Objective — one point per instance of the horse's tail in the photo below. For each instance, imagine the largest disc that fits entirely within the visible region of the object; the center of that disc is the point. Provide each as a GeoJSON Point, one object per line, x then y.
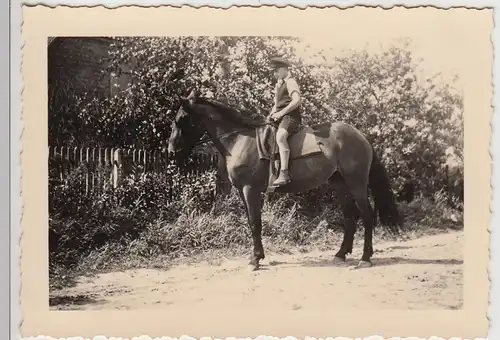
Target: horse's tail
{"type": "Point", "coordinates": [385, 202]}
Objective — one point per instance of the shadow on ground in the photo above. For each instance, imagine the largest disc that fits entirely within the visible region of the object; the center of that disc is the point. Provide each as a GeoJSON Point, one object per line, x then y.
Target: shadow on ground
{"type": "Point", "coordinates": [73, 300]}
{"type": "Point", "coordinates": [387, 261]}
{"type": "Point", "coordinates": [377, 262]}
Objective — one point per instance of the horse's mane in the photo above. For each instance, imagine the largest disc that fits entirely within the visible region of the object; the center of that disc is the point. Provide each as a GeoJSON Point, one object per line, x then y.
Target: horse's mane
{"type": "Point", "coordinates": [236, 115]}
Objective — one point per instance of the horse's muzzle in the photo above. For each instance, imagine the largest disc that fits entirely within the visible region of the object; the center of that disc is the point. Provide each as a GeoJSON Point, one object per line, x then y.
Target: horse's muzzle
{"type": "Point", "coordinates": [171, 149]}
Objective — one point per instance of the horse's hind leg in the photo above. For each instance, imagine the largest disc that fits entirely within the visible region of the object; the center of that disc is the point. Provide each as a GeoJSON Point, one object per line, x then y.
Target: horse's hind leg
{"type": "Point", "coordinates": [367, 217]}
{"type": "Point", "coordinates": [351, 214]}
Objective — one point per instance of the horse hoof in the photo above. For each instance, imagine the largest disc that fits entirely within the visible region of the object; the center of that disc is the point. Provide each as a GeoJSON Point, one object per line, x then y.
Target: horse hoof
{"type": "Point", "coordinates": [338, 260]}
{"type": "Point", "coordinates": [364, 264]}
{"type": "Point", "coordinates": [361, 264]}
{"type": "Point", "coordinates": [253, 267]}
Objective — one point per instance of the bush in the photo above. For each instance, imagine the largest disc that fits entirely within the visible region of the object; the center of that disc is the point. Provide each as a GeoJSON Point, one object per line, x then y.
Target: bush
{"type": "Point", "coordinates": [80, 223]}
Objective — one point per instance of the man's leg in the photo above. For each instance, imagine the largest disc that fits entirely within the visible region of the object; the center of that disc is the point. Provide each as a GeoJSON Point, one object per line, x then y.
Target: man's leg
{"type": "Point", "coordinates": [284, 151]}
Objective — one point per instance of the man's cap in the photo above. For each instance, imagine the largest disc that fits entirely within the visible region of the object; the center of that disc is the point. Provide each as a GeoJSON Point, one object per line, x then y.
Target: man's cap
{"type": "Point", "coordinates": [276, 62]}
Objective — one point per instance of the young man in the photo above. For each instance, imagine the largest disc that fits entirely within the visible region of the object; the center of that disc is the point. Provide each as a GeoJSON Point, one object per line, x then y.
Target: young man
{"type": "Point", "coordinates": [286, 112]}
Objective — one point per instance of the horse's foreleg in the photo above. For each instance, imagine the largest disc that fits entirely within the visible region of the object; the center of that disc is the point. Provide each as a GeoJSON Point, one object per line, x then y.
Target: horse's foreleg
{"type": "Point", "coordinates": [350, 215]}
{"type": "Point", "coordinates": [253, 204]}
{"type": "Point", "coordinates": [242, 196]}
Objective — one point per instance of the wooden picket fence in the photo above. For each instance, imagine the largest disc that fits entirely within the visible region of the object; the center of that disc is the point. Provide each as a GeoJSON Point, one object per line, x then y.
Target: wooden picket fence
{"type": "Point", "coordinates": [103, 168]}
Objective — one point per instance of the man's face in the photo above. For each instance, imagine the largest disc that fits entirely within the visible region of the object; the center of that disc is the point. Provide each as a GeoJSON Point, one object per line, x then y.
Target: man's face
{"type": "Point", "coordinates": [280, 72]}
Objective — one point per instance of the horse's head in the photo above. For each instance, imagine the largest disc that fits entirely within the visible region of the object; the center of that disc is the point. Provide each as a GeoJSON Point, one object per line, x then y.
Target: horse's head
{"type": "Point", "coordinates": [187, 128]}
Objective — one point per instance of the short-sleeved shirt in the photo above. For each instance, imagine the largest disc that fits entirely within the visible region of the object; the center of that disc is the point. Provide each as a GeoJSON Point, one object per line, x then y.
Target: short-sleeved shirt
{"type": "Point", "coordinates": [283, 94]}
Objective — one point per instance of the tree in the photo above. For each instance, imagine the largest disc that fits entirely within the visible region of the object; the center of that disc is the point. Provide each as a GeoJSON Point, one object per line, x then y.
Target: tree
{"type": "Point", "coordinates": [414, 123]}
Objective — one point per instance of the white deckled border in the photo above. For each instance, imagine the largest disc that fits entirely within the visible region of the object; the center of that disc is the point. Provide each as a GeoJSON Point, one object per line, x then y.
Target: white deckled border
{"type": "Point", "coordinates": [262, 337]}
{"type": "Point", "coordinates": [16, 208]}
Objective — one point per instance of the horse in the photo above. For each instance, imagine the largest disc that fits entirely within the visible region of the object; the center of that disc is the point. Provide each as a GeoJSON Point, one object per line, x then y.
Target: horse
{"type": "Point", "coordinates": [347, 161]}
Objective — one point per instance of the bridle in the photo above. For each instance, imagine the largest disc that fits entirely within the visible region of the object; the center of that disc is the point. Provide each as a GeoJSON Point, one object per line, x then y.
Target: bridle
{"type": "Point", "coordinates": [207, 138]}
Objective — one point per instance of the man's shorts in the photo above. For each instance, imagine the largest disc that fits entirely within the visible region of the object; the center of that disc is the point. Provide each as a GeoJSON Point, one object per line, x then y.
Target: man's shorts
{"type": "Point", "coordinates": [290, 123]}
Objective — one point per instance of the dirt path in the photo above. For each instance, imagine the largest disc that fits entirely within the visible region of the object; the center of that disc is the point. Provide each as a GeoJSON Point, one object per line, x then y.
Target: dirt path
{"type": "Point", "coordinates": [418, 274]}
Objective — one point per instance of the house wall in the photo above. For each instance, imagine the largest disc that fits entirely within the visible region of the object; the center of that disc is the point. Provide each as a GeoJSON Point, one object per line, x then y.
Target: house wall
{"type": "Point", "coordinates": [79, 63]}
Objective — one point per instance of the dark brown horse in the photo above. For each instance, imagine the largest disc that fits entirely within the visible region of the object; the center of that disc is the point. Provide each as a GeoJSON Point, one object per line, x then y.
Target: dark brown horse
{"type": "Point", "coordinates": [346, 160]}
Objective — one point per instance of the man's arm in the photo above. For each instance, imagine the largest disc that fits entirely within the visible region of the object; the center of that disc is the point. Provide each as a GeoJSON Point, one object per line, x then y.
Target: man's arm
{"type": "Point", "coordinates": [273, 110]}
{"type": "Point", "coordinates": [294, 91]}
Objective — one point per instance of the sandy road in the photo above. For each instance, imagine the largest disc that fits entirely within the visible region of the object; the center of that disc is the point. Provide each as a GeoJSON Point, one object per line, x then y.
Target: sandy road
{"type": "Point", "coordinates": [418, 274]}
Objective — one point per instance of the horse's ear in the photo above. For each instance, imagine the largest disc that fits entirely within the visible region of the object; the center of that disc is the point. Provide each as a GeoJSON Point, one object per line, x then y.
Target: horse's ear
{"type": "Point", "coordinates": [189, 100]}
{"type": "Point", "coordinates": [192, 95]}
{"type": "Point", "coordinates": [185, 101]}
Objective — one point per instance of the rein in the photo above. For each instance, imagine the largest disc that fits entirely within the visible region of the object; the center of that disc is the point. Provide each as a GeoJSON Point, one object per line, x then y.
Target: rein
{"type": "Point", "coordinates": [207, 137]}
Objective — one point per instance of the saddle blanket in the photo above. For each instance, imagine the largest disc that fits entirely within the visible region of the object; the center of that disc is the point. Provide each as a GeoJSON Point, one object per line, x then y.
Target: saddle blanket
{"type": "Point", "coordinates": [302, 143]}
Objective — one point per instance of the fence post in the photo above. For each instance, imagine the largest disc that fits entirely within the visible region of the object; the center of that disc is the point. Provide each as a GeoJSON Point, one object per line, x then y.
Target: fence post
{"type": "Point", "coordinates": [117, 168]}
{"type": "Point", "coordinates": [127, 164]}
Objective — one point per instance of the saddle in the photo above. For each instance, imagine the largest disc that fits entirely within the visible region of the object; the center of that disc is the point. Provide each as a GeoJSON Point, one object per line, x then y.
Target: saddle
{"type": "Point", "coordinates": [302, 143]}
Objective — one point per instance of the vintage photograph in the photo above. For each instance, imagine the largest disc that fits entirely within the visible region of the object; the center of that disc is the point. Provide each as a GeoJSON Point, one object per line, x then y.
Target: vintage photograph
{"type": "Point", "coordinates": [173, 158]}
{"type": "Point", "coordinates": [200, 174]}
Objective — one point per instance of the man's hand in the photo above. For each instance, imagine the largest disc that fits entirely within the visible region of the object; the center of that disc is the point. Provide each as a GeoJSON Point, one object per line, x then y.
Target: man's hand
{"type": "Point", "coordinates": [276, 115]}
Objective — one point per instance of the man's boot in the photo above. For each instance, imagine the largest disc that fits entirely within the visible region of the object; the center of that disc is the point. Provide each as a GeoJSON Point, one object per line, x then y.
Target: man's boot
{"type": "Point", "coordinates": [283, 178]}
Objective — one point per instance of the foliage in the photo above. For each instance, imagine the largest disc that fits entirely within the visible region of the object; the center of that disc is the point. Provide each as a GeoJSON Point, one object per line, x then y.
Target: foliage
{"type": "Point", "coordinates": [80, 223]}
{"type": "Point", "coordinates": [415, 123]}
{"type": "Point", "coordinates": [157, 70]}
{"type": "Point", "coordinates": [63, 107]}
